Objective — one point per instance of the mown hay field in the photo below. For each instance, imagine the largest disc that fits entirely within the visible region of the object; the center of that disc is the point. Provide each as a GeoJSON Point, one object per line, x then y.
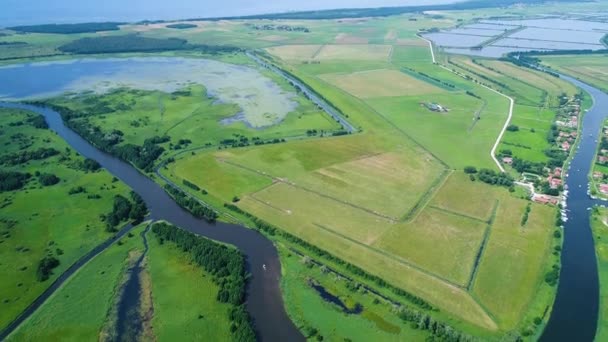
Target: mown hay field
{"type": "Point", "coordinates": [380, 83]}
{"type": "Point", "coordinates": [354, 52]}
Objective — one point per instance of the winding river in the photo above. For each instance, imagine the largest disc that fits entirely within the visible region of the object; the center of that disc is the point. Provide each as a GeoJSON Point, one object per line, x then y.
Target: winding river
{"type": "Point", "coordinates": [264, 300]}
{"type": "Point", "coordinates": [575, 312]}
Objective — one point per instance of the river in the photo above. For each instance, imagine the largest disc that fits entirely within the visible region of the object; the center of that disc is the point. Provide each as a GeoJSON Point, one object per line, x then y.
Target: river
{"type": "Point", "coordinates": [264, 299]}
{"type": "Point", "coordinates": [575, 312]}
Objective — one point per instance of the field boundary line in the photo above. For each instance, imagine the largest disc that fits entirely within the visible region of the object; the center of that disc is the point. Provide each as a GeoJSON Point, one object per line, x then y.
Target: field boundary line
{"type": "Point", "coordinates": [482, 247]}
{"type": "Point", "coordinates": [427, 196]}
{"type": "Point", "coordinates": [298, 187]}
{"type": "Point", "coordinates": [392, 256]}
{"type": "Point", "coordinates": [511, 105]}
{"type": "Point", "coordinates": [316, 53]}
{"type": "Point", "coordinates": [451, 212]}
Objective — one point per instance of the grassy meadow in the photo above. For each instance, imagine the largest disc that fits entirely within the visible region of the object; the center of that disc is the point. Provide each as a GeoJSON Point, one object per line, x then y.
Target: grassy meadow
{"type": "Point", "coordinates": [39, 221]}
{"type": "Point", "coordinates": [391, 199]}
{"type": "Point", "coordinates": [591, 68]}
{"type": "Point", "coordinates": [308, 310]}
{"type": "Point", "coordinates": [79, 310]}
{"type": "Point", "coordinates": [184, 297]}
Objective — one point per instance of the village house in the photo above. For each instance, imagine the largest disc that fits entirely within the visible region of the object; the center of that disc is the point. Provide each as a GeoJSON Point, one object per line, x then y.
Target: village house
{"type": "Point", "coordinates": [557, 172]}
{"type": "Point", "coordinates": [545, 199]}
{"type": "Point", "coordinates": [554, 183]}
{"type": "Point", "coordinates": [602, 159]}
{"type": "Point", "coordinates": [597, 175]}
{"type": "Point", "coordinates": [604, 188]}
{"type": "Point", "coordinates": [507, 160]}
{"type": "Point", "coordinates": [566, 146]}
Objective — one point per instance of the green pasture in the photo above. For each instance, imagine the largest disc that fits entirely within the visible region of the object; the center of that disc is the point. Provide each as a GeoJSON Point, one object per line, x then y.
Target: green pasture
{"type": "Point", "coordinates": [310, 311]}
{"type": "Point", "coordinates": [39, 220]}
{"type": "Point", "coordinates": [587, 68]}
{"type": "Point", "coordinates": [184, 297]}
{"type": "Point", "coordinates": [79, 309]}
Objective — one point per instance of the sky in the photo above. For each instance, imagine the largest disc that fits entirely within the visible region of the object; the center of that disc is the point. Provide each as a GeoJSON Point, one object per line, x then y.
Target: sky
{"type": "Point", "coordinates": [24, 12]}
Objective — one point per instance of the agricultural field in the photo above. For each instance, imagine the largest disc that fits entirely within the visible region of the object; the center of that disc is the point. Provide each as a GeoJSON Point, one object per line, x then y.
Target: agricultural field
{"type": "Point", "coordinates": [589, 68]}
{"type": "Point", "coordinates": [61, 220]}
{"type": "Point", "coordinates": [390, 198]}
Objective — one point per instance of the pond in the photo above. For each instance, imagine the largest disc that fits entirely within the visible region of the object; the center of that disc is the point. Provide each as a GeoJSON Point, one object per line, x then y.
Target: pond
{"type": "Point", "coordinates": [261, 100]}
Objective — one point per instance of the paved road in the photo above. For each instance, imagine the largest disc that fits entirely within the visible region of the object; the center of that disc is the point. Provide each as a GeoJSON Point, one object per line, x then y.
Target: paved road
{"type": "Point", "coordinates": [329, 109]}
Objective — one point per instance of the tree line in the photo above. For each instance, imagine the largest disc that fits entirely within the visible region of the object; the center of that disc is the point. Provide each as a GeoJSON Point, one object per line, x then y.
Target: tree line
{"type": "Point", "coordinates": [137, 43]}
{"type": "Point", "coordinates": [67, 28]}
{"type": "Point", "coordinates": [191, 204]}
{"type": "Point", "coordinates": [22, 157]}
{"type": "Point", "coordinates": [143, 157]}
{"type": "Point", "coordinates": [271, 230]}
{"type": "Point", "coordinates": [225, 264]}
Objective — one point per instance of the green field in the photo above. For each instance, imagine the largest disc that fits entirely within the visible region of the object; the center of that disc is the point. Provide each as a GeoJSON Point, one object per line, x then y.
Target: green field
{"type": "Point", "coordinates": [184, 297]}
{"type": "Point", "coordinates": [590, 68]}
{"type": "Point", "coordinates": [391, 198]}
{"type": "Point", "coordinates": [309, 310]}
{"type": "Point", "coordinates": [78, 310]}
{"type": "Point", "coordinates": [38, 220]}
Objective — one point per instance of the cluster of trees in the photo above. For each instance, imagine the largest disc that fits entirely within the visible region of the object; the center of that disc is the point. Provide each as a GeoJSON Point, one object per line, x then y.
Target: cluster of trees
{"type": "Point", "coordinates": [124, 43]}
{"type": "Point", "coordinates": [141, 156]}
{"type": "Point", "coordinates": [552, 276]}
{"type": "Point", "coordinates": [438, 330]}
{"type": "Point", "coordinates": [494, 178]}
{"type": "Point", "coordinates": [38, 121]}
{"type": "Point", "coordinates": [48, 179]}
{"type": "Point", "coordinates": [22, 157]}
{"type": "Point", "coordinates": [12, 43]}
{"type": "Point", "coordinates": [191, 185]}
{"type": "Point", "coordinates": [181, 26]}
{"type": "Point", "coordinates": [137, 43]}
{"type": "Point", "coordinates": [191, 204]}
{"type": "Point", "coordinates": [68, 28]}
{"type": "Point", "coordinates": [289, 28]}
{"type": "Point", "coordinates": [271, 230]}
{"type": "Point", "coordinates": [524, 218]}
{"type": "Point", "coordinates": [527, 166]}
{"type": "Point", "coordinates": [90, 165]}
{"type": "Point", "coordinates": [225, 264]}
{"type": "Point", "coordinates": [77, 190]}
{"type": "Point", "coordinates": [512, 128]}
{"type": "Point", "coordinates": [470, 93]}
{"type": "Point", "coordinates": [45, 267]}
{"type": "Point", "coordinates": [123, 210]}
{"type": "Point", "coordinates": [13, 180]}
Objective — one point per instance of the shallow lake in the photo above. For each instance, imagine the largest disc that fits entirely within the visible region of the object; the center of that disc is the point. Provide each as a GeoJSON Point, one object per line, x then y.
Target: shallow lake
{"type": "Point", "coordinates": [261, 100]}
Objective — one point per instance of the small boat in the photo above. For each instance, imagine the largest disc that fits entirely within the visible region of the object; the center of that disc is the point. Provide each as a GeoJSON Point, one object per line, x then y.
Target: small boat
{"type": "Point", "coordinates": [264, 267]}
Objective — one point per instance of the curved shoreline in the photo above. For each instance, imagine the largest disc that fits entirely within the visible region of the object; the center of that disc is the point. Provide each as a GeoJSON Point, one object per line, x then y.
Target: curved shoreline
{"type": "Point", "coordinates": [264, 297]}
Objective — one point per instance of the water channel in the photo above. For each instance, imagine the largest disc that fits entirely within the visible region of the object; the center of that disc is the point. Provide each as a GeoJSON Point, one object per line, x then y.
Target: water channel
{"type": "Point", "coordinates": [264, 300]}
{"type": "Point", "coordinates": [575, 312]}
